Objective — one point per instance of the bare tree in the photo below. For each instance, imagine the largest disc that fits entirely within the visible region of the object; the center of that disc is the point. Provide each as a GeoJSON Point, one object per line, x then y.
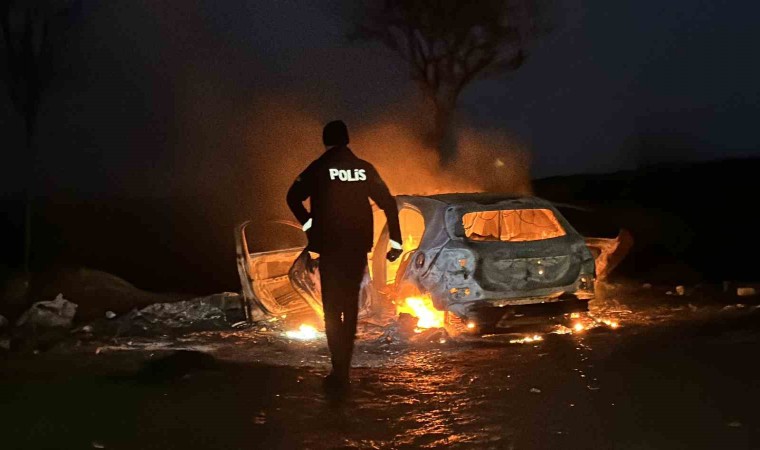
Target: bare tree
{"type": "Point", "coordinates": [449, 43]}
{"type": "Point", "coordinates": [30, 29]}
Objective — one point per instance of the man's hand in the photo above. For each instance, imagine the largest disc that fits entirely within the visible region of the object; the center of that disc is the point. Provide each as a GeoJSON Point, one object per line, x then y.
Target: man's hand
{"type": "Point", "coordinates": [396, 250]}
{"type": "Point", "coordinates": [393, 254]}
{"type": "Point", "coordinates": [312, 262]}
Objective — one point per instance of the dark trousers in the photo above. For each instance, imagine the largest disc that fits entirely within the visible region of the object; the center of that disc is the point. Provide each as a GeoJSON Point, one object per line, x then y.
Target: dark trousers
{"type": "Point", "coordinates": [341, 272]}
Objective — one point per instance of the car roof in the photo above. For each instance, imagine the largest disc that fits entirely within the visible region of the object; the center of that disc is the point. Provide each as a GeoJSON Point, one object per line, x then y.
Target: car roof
{"type": "Point", "coordinates": [480, 198]}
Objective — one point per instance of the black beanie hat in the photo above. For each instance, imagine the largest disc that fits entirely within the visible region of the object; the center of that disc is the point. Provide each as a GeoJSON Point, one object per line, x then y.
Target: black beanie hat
{"type": "Point", "coordinates": [335, 133]}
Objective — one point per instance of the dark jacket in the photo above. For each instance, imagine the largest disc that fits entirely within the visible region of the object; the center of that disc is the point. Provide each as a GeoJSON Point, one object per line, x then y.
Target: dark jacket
{"type": "Point", "coordinates": [340, 185]}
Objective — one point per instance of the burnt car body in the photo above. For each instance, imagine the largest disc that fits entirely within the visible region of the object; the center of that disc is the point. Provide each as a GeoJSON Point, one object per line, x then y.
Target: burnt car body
{"type": "Point", "coordinates": [482, 257]}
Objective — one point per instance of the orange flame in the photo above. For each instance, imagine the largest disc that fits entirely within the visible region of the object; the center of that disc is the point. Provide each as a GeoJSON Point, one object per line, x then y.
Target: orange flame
{"type": "Point", "coordinates": [422, 308]}
{"type": "Point", "coordinates": [304, 333]}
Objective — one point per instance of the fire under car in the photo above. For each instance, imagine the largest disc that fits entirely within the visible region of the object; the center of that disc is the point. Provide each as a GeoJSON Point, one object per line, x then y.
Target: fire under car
{"type": "Point", "coordinates": [492, 261]}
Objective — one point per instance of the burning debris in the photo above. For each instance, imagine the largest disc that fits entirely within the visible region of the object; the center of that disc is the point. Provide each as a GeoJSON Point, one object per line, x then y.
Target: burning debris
{"type": "Point", "coordinates": [304, 333]}
{"type": "Point", "coordinates": [406, 329]}
{"type": "Point", "coordinates": [581, 323]}
{"type": "Point", "coordinates": [422, 308]}
{"type": "Point", "coordinates": [527, 339]}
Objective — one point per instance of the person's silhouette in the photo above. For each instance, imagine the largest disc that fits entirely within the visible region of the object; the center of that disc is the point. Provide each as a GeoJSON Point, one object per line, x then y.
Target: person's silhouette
{"type": "Point", "coordinates": [339, 228]}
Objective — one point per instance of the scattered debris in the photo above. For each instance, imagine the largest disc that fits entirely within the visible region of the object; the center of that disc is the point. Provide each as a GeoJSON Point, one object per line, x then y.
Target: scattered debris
{"type": "Point", "coordinates": [669, 293]}
{"type": "Point", "coordinates": [407, 323]}
{"type": "Point", "coordinates": [44, 325]}
{"type": "Point", "coordinates": [734, 424]}
{"type": "Point", "coordinates": [535, 390]}
{"type": "Point", "coordinates": [96, 444]}
{"type": "Point", "coordinates": [432, 335]}
{"type": "Point", "coordinates": [736, 306]}
{"type": "Point", "coordinates": [746, 291]}
{"type": "Point", "coordinates": [680, 290]}
{"type": "Point", "coordinates": [217, 311]}
{"type": "Point", "coordinates": [110, 314]}
{"type": "Point", "coordinates": [87, 329]}
{"type": "Point", "coordinates": [57, 313]}
{"type": "Point", "coordinates": [647, 285]}
{"type": "Point", "coordinates": [406, 330]}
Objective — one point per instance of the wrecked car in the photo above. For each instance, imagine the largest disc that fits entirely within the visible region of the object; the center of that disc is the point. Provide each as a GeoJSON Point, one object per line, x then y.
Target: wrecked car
{"type": "Point", "coordinates": [488, 259]}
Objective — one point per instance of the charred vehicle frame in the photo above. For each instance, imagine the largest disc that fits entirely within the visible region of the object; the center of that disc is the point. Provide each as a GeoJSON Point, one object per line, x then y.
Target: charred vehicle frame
{"type": "Point", "coordinates": [488, 259]}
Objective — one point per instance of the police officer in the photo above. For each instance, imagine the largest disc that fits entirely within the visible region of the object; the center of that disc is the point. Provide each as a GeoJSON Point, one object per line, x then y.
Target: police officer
{"type": "Point", "coordinates": [339, 228]}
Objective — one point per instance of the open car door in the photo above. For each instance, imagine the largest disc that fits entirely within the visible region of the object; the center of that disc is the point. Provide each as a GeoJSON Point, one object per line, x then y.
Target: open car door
{"type": "Point", "coordinates": [264, 279]}
{"type": "Point", "coordinates": [285, 281]}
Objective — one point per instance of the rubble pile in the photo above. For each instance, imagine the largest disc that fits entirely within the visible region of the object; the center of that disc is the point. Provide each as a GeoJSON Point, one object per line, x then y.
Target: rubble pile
{"type": "Point", "coordinates": [43, 325]}
{"type": "Point", "coordinates": [58, 313]}
{"type": "Point", "coordinates": [219, 311]}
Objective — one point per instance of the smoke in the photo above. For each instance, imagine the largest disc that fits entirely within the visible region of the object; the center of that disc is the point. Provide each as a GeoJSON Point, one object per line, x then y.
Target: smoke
{"type": "Point", "coordinates": [282, 137]}
{"type": "Point", "coordinates": [499, 161]}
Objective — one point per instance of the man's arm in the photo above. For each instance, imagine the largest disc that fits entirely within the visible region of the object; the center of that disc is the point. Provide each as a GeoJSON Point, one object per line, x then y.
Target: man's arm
{"type": "Point", "coordinates": [297, 194]}
{"type": "Point", "coordinates": [380, 194]}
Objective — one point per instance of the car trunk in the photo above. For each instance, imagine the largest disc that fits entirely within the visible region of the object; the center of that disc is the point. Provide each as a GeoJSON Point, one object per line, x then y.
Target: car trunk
{"type": "Point", "coordinates": [525, 266]}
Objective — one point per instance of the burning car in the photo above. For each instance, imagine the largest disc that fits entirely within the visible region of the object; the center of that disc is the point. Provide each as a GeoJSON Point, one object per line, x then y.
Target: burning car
{"type": "Point", "coordinates": [490, 260]}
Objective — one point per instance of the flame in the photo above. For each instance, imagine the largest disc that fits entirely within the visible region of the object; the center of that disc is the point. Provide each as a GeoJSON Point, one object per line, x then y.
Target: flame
{"type": "Point", "coordinates": [304, 333]}
{"type": "Point", "coordinates": [409, 244]}
{"type": "Point", "coordinates": [578, 327]}
{"type": "Point", "coordinates": [422, 308]}
{"type": "Point", "coordinates": [527, 339]}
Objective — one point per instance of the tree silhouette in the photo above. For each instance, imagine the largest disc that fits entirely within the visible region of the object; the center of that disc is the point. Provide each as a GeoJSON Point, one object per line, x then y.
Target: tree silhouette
{"type": "Point", "coordinates": [449, 43]}
{"type": "Point", "coordinates": [30, 29]}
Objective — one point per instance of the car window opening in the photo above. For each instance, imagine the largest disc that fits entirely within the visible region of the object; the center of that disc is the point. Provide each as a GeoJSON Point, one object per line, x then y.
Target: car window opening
{"type": "Point", "coordinates": [512, 225]}
{"type": "Point", "coordinates": [412, 228]}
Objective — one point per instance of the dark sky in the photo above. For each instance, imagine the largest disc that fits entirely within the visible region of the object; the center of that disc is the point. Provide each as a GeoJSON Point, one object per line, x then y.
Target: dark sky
{"type": "Point", "coordinates": [166, 97]}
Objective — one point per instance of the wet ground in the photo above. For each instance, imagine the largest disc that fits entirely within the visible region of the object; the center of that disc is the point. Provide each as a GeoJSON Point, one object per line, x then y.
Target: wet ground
{"type": "Point", "coordinates": [678, 372]}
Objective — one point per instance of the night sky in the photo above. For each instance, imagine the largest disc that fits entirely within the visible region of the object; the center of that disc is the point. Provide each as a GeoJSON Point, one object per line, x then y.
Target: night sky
{"type": "Point", "coordinates": [162, 98]}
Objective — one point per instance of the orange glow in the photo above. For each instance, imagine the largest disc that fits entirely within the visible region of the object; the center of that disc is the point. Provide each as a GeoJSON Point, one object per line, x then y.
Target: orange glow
{"type": "Point", "coordinates": [518, 225]}
{"type": "Point", "coordinates": [471, 325]}
{"type": "Point", "coordinates": [578, 327]}
{"type": "Point", "coordinates": [422, 308]}
{"type": "Point", "coordinates": [304, 333]}
{"type": "Point", "coordinates": [527, 339]}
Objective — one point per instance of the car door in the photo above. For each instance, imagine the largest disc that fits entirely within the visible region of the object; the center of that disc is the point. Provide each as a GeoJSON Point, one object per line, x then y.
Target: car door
{"type": "Point", "coordinates": [264, 278]}
{"type": "Point", "coordinates": [286, 281]}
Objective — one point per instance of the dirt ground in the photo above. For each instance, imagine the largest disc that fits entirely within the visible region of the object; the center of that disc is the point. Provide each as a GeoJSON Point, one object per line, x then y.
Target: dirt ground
{"type": "Point", "coordinates": [677, 372]}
